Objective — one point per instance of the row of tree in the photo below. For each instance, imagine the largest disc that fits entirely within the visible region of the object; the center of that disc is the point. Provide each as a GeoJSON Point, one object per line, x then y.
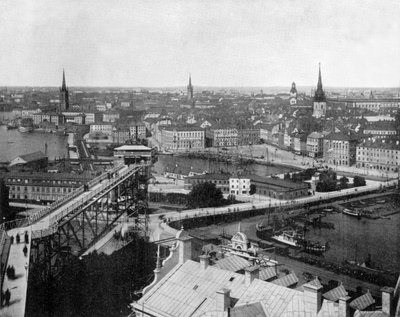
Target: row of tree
{"type": "Point", "coordinates": [328, 182]}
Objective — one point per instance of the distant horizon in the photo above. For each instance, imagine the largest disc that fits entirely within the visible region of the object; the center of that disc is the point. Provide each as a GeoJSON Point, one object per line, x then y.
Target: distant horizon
{"type": "Point", "coordinates": [183, 87]}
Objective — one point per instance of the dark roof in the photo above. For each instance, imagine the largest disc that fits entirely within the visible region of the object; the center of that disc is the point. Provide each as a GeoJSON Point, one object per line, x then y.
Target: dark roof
{"type": "Point", "coordinates": [48, 176]}
{"type": "Point", "coordinates": [277, 182]}
{"type": "Point", "coordinates": [216, 176]}
{"type": "Point", "coordinates": [31, 157]}
{"type": "Point", "coordinates": [340, 137]}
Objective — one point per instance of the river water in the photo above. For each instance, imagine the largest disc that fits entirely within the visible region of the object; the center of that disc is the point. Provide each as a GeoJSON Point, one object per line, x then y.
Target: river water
{"type": "Point", "coordinates": [352, 239]}
{"type": "Point", "coordinates": [14, 143]}
{"type": "Point", "coordinates": [180, 164]}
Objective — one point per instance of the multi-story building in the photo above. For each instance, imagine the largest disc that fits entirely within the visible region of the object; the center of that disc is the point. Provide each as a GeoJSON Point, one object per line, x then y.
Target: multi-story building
{"type": "Point", "coordinates": [90, 117]}
{"type": "Point", "coordinates": [376, 105]}
{"type": "Point", "coordinates": [381, 155]}
{"type": "Point", "coordinates": [222, 136]}
{"type": "Point", "coordinates": [44, 187]}
{"type": "Point", "coordinates": [300, 143]}
{"type": "Point", "coordinates": [380, 129]}
{"type": "Point", "coordinates": [106, 128]}
{"type": "Point", "coordinates": [53, 118]}
{"type": "Point", "coordinates": [315, 144]}
{"type": "Point", "coordinates": [239, 185]}
{"type": "Point", "coordinates": [340, 149]}
{"type": "Point", "coordinates": [74, 117]}
{"type": "Point", "coordinates": [221, 181]}
{"type": "Point", "coordinates": [176, 138]}
{"type": "Point", "coordinates": [111, 116]}
{"type": "Point", "coordinates": [248, 136]}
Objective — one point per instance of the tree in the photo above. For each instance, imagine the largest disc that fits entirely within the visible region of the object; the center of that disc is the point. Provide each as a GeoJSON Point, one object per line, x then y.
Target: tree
{"type": "Point", "coordinates": [343, 182]}
{"type": "Point", "coordinates": [359, 181]}
{"type": "Point", "coordinates": [253, 189]}
{"type": "Point", "coordinates": [286, 176]}
{"type": "Point", "coordinates": [327, 181]}
{"type": "Point", "coordinates": [205, 195]}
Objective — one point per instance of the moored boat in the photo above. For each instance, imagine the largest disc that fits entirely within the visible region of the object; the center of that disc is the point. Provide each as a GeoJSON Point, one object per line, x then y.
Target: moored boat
{"type": "Point", "coordinates": [289, 237]}
{"type": "Point", "coordinates": [24, 129]}
{"type": "Point", "coordinates": [352, 213]}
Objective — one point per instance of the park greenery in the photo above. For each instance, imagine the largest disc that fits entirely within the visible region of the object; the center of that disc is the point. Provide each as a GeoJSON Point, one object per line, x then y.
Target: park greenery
{"type": "Point", "coordinates": [205, 195]}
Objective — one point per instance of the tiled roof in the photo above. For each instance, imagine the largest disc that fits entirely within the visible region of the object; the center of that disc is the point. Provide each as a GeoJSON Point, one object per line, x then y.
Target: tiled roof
{"type": "Point", "coordinates": [189, 291]}
{"type": "Point", "coordinates": [363, 301]}
{"type": "Point", "coordinates": [336, 293]}
{"type": "Point", "coordinates": [232, 263]}
{"type": "Point", "coordinates": [370, 314]}
{"type": "Point", "coordinates": [254, 309]}
{"type": "Point", "coordinates": [267, 273]}
{"type": "Point", "coordinates": [287, 280]}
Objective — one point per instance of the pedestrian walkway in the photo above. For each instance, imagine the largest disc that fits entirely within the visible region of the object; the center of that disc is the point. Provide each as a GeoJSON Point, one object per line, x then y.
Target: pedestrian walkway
{"type": "Point", "coordinates": [17, 285]}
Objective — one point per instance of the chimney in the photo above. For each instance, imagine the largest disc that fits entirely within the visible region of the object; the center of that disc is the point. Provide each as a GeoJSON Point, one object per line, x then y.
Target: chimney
{"type": "Point", "coordinates": [250, 273]}
{"type": "Point", "coordinates": [204, 261]}
{"type": "Point", "coordinates": [223, 300]}
{"type": "Point", "coordinates": [387, 300]}
{"type": "Point", "coordinates": [344, 307]}
{"type": "Point", "coordinates": [184, 246]}
{"type": "Point", "coordinates": [313, 296]}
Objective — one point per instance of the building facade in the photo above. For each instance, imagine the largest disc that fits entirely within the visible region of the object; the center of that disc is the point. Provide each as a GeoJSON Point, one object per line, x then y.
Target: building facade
{"type": "Point", "coordinates": [174, 138]}
{"type": "Point", "coordinates": [42, 187]}
{"type": "Point", "coordinates": [340, 149]}
{"type": "Point", "coordinates": [379, 155]}
{"type": "Point", "coordinates": [315, 144]}
{"type": "Point", "coordinates": [221, 181]}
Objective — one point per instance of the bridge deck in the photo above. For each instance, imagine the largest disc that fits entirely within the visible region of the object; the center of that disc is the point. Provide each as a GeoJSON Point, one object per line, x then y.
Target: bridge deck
{"type": "Point", "coordinates": [19, 285]}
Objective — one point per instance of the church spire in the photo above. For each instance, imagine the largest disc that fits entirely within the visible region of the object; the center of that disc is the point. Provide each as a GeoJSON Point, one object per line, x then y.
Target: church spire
{"type": "Point", "coordinates": [63, 86]}
{"type": "Point", "coordinates": [64, 95]}
{"type": "Point", "coordinates": [319, 93]}
{"type": "Point", "coordinates": [190, 89]}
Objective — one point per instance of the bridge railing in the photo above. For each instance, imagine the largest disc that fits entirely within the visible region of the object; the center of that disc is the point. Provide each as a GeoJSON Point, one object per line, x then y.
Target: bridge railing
{"type": "Point", "coordinates": [47, 210]}
{"type": "Point", "coordinates": [93, 194]}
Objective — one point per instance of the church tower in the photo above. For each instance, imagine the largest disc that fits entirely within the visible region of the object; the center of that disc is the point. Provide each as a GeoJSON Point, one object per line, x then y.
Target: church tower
{"type": "Point", "coordinates": [190, 89]}
{"type": "Point", "coordinates": [293, 94]}
{"type": "Point", "coordinates": [319, 107]}
{"type": "Point", "coordinates": [64, 95]}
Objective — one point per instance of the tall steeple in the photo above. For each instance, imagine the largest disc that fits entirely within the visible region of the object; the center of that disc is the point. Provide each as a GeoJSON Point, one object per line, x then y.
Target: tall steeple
{"type": "Point", "coordinates": [319, 93]}
{"type": "Point", "coordinates": [64, 95]}
{"type": "Point", "coordinates": [190, 89]}
{"type": "Point", "coordinates": [63, 86]}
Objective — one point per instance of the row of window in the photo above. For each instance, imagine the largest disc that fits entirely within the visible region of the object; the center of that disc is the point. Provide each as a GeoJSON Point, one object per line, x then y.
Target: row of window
{"type": "Point", "coordinates": [43, 181]}
{"type": "Point", "coordinates": [41, 189]}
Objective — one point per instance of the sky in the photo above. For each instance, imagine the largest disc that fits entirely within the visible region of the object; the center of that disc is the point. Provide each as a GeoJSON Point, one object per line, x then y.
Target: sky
{"type": "Point", "coordinates": [157, 43]}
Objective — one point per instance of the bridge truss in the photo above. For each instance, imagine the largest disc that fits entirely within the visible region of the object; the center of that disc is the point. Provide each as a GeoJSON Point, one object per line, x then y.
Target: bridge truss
{"type": "Point", "coordinates": [75, 232]}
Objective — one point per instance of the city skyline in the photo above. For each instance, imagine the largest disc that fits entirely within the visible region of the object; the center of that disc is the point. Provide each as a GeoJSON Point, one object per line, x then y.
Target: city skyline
{"type": "Point", "coordinates": [223, 44]}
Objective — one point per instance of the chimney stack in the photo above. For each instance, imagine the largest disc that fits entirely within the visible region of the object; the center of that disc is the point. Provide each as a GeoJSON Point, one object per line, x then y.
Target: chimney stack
{"type": "Point", "coordinates": [184, 246]}
{"type": "Point", "coordinates": [387, 300]}
{"type": "Point", "coordinates": [223, 300]}
{"type": "Point", "coordinates": [344, 307]}
{"type": "Point", "coordinates": [204, 261]}
{"type": "Point", "coordinates": [251, 273]}
{"type": "Point", "coordinates": [313, 295]}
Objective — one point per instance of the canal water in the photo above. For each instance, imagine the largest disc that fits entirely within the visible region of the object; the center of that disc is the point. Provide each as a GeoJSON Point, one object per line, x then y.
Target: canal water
{"type": "Point", "coordinates": [14, 143]}
{"type": "Point", "coordinates": [351, 239]}
{"type": "Point", "coordinates": [180, 164]}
